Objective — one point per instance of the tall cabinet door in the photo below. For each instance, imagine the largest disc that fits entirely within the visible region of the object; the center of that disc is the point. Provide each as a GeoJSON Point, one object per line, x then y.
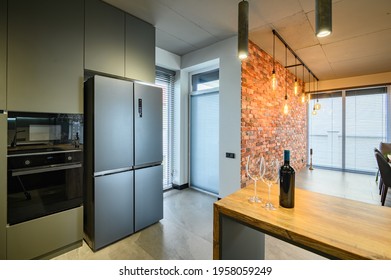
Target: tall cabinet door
{"type": "Point", "coordinates": [104, 38]}
{"type": "Point", "coordinates": [140, 45]}
{"type": "Point", "coordinates": [113, 208]}
{"type": "Point", "coordinates": [148, 124]}
{"type": "Point", "coordinates": [148, 191]}
{"type": "Point", "coordinates": [45, 56]}
{"type": "Point", "coordinates": [3, 186]}
{"type": "Point", "coordinates": [3, 54]}
{"type": "Point", "coordinates": [113, 127]}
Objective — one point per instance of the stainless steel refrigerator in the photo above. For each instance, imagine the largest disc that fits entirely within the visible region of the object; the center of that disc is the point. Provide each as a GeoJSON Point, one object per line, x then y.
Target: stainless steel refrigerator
{"type": "Point", "coordinates": [123, 159]}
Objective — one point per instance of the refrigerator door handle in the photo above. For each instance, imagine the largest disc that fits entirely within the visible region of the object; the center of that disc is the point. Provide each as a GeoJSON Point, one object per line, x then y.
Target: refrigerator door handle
{"type": "Point", "coordinates": [150, 164]}
{"type": "Point", "coordinates": [113, 171]}
{"type": "Point", "coordinates": [140, 107]}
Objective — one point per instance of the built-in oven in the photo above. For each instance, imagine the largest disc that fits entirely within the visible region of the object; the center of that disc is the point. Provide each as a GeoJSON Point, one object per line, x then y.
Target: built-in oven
{"type": "Point", "coordinates": [44, 164]}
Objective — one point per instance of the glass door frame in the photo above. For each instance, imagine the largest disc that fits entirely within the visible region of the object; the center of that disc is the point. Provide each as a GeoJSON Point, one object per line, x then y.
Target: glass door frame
{"type": "Point", "coordinates": [343, 92]}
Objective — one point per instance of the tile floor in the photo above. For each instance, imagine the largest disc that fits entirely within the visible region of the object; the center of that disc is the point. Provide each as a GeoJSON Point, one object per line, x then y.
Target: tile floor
{"type": "Point", "coordinates": [185, 233]}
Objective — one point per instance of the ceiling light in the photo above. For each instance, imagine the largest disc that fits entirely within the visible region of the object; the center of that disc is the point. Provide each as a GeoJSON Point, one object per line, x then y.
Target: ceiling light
{"type": "Point", "coordinates": [274, 78]}
{"type": "Point", "coordinates": [323, 17]}
{"type": "Point", "coordinates": [286, 108]}
{"type": "Point", "coordinates": [296, 87]}
{"type": "Point", "coordinates": [243, 30]}
{"type": "Point", "coordinates": [314, 112]}
{"type": "Point", "coordinates": [317, 106]}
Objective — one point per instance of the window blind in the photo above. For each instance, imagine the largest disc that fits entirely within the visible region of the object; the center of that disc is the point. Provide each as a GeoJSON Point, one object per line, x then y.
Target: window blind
{"type": "Point", "coordinates": [166, 79]}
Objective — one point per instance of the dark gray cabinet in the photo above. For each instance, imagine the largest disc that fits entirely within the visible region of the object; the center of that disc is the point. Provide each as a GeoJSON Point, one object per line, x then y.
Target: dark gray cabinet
{"type": "Point", "coordinates": [3, 53]}
{"type": "Point", "coordinates": [104, 38]}
{"type": "Point", "coordinates": [3, 185]}
{"type": "Point", "coordinates": [140, 50]}
{"type": "Point", "coordinates": [45, 55]}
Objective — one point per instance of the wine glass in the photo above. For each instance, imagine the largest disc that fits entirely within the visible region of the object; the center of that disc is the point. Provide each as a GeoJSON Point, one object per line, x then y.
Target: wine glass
{"type": "Point", "coordinates": [254, 172]}
{"type": "Point", "coordinates": [271, 177]}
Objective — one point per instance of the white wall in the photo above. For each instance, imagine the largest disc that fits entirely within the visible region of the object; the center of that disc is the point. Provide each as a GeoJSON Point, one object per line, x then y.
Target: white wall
{"type": "Point", "coordinates": [225, 54]}
{"type": "Point", "coordinates": [353, 82]}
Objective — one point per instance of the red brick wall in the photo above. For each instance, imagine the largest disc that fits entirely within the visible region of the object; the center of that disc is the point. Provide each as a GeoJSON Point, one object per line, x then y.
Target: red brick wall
{"type": "Point", "coordinates": [265, 129]}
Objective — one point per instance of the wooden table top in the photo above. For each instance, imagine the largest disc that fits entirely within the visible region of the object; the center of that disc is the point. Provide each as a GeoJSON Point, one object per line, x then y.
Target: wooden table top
{"type": "Point", "coordinates": [334, 227]}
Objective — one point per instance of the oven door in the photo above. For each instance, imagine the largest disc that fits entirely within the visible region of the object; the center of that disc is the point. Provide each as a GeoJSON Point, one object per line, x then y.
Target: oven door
{"type": "Point", "coordinates": [44, 190]}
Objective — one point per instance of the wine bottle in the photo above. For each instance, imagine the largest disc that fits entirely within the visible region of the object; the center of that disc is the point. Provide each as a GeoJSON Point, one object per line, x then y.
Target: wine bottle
{"type": "Point", "coordinates": [287, 183]}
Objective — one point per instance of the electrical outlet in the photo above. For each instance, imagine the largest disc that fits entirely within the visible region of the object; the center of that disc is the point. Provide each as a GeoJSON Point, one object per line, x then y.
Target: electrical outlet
{"type": "Point", "coordinates": [230, 155]}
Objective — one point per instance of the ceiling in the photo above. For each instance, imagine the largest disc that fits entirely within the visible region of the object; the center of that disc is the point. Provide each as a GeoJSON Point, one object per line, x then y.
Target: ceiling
{"type": "Point", "coordinates": [359, 45]}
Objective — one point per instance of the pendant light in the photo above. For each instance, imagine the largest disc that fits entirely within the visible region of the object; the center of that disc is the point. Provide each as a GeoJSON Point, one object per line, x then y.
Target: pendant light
{"type": "Point", "coordinates": [274, 78]}
{"type": "Point", "coordinates": [317, 105]}
{"type": "Point", "coordinates": [309, 87]}
{"type": "Point", "coordinates": [296, 86]}
{"type": "Point", "coordinates": [303, 89]}
{"type": "Point", "coordinates": [314, 112]}
{"type": "Point", "coordinates": [243, 30]}
{"type": "Point", "coordinates": [323, 18]}
{"type": "Point", "coordinates": [286, 108]}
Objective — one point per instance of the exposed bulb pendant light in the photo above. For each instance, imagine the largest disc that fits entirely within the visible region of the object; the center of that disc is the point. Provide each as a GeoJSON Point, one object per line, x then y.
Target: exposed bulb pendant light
{"type": "Point", "coordinates": [286, 108]}
{"type": "Point", "coordinates": [314, 112]}
{"type": "Point", "coordinates": [274, 78]}
{"type": "Point", "coordinates": [243, 30]}
{"type": "Point", "coordinates": [296, 86]}
{"type": "Point", "coordinates": [323, 17]}
{"type": "Point", "coordinates": [303, 89]}
{"type": "Point", "coordinates": [317, 105]}
{"type": "Point", "coordinates": [309, 87]}
{"type": "Point", "coordinates": [302, 98]}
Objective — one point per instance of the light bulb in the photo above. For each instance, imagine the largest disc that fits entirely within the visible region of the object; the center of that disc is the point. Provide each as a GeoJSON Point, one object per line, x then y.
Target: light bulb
{"type": "Point", "coordinates": [296, 88]}
{"type": "Point", "coordinates": [323, 33]}
{"type": "Point", "coordinates": [308, 98]}
{"type": "Point", "coordinates": [317, 106]}
{"type": "Point", "coordinates": [274, 81]}
{"type": "Point", "coordinates": [286, 109]}
{"type": "Point", "coordinates": [242, 55]}
{"type": "Point", "coordinates": [314, 112]}
{"type": "Point", "coordinates": [303, 98]}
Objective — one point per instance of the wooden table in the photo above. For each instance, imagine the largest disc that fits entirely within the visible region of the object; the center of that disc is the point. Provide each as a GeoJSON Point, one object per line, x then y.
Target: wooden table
{"type": "Point", "coordinates": [333, 227]}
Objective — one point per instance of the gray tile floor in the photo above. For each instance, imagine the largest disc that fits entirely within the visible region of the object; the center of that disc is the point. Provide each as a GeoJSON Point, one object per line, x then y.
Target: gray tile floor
{"type": "Point", "coordinates": [185, 233]}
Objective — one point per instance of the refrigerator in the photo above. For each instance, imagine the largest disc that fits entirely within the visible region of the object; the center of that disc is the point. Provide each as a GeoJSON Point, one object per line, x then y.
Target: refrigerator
{"type": "Point", "coordinates": [123, 190]}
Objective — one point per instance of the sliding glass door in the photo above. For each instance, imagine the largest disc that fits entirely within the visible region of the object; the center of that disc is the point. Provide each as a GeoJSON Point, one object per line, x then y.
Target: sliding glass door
{"type": "Point", "coordinates": [366, 127]}
{"type": "Point", "coordinates": [325, 131]}
{"type": "Point", "coordinates": [349, 125]}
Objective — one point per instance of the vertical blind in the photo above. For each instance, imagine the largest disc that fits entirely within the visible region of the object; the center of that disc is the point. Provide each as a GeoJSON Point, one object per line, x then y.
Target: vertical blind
{"type": "Point", "coordinates": [166, 79]}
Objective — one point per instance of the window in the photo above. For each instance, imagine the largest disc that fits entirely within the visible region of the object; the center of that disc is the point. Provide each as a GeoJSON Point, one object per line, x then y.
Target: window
{"type": "Point", "coordinates": [349, 125]}
{"type": "Point", "coordinates": [204, 132]}
{"type": "Point", "coordinates": [166, 79]}
{"type": "Point", "coordinates": [366, 112]}
{"type": "Point", "coordinates": [325, 131]}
